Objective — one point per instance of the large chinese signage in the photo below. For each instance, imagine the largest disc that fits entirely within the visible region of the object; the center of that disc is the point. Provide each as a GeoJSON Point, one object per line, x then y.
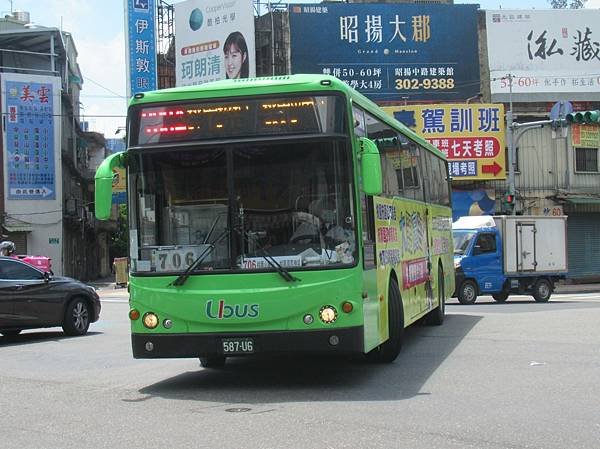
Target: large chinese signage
{"type": "Point", "coordinates": [545, 51]}
{"type": "Point", "coordinates": [214, 41]}
{"type": "Point", "coordinates": [29, 120]}
{"type": "Point", "coordinates": [470, 135]}
{"type": "Point", "coordinates": [141, 43]}
{"type": "Point", "coordinates": [390, 52]}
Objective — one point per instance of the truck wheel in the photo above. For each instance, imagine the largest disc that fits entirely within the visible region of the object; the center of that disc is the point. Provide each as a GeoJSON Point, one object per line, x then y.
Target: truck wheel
{"type": "Point", "coordinates": [467, 293]}
{"type": "Point", "coordinates": [436, 316]}
{"type": "Point", "coordinates": [389, 350]}
{"type": "Point", "coordinates": [542, 290]}
{"type": "Point", "coordinates": [500, 297]}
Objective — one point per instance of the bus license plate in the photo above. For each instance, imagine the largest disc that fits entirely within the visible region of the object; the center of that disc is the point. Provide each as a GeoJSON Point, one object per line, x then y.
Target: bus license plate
{"type": "Point", "coordinates": [238, 345]}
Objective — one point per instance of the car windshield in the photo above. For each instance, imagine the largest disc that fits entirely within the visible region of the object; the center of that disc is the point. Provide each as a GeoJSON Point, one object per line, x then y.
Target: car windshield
{"type": "Point", "coordinates": [462, 239]}
{"type": "Point", "coordinates": [288, 201]}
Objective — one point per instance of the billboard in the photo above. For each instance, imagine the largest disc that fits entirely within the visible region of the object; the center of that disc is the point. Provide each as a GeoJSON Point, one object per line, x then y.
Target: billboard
{"type": "Point", "coordinates": [141, 46]}
{"type": "Point", "coordinates": [214, 40]}
{"type": "Point", "coordinates": [470, 135]}
{"type": "Point", "coordinates": [546, 51]}
{"type": "Point", "coordinates": [30, 156]}
{"type": "Point", "coordinates": [390, 52]}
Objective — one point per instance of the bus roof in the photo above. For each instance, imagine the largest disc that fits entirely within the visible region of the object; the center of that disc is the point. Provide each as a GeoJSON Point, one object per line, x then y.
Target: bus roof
{"type": "Point", "coordinates": [277, 85]}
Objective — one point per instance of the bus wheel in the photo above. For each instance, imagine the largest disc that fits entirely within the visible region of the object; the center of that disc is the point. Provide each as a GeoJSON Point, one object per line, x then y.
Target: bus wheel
{"type": "Point", "coordinates": [389, 350]}
{"type": "Point", "coordinates": [467, 293]}
{"type": "Point", "coordinates": [436, 316]}
{"type": "Point", "coordinates": [500, 297]}
{"type": "Point", "coordinates": [212, 362]}
{"type": "Point", "coordinates": [542, 290]}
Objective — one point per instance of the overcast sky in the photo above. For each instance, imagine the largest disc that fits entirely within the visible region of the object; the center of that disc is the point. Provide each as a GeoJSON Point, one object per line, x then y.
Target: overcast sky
{"type": "Point", "coordinates": [97, 27]}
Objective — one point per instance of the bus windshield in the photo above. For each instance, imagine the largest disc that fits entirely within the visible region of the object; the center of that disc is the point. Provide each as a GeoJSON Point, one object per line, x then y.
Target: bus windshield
{"type": "Point", "coordinates": [241, 203]}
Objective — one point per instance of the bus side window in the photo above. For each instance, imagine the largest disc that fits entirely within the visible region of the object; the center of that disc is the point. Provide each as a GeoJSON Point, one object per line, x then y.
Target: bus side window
{"type": "Point", "coordinates": [445, 183]}
{"type": "Point", "coordinates": [410, 162]}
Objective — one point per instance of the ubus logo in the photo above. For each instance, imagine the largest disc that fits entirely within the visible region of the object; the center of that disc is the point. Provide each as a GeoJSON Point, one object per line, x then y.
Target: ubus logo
{"type": "Point", "coordinates": [223, 312]}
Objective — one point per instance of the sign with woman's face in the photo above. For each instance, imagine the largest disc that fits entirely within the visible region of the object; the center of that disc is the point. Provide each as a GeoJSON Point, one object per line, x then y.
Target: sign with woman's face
{"type": "Point", "coordinates": [215, 40]}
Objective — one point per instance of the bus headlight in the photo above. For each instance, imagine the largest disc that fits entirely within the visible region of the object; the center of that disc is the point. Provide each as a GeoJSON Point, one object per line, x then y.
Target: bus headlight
{"type": "Point", "coordinates": [328, 314]}
{"type": "Point", "coordinates": [150, 320]}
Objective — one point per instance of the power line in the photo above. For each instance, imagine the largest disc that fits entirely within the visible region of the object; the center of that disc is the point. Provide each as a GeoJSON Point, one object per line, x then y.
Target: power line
{"type": "Point", "coordinates": [105, 88]}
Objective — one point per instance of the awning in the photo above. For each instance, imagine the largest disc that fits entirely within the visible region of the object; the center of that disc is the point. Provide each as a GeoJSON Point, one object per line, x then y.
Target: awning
{"type": "Point", "coordinates": [20, 227]}
{"type": "Point", "coordinates": [582, 204]}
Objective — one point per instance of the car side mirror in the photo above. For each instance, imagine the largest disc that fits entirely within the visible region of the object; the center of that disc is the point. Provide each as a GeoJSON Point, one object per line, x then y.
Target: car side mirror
{"type": "Point", "coordinates": [47, 276]}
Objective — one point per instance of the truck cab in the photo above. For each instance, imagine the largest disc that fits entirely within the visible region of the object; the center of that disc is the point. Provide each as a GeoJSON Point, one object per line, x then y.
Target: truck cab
{"type": "Point", "coordinates": [507, 254]}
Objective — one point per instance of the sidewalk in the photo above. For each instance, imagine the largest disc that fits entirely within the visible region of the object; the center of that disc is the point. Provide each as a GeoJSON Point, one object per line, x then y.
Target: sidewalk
{"type": "Point", "coordinates": [563, 288]}
{"type": "Point", "coordinates": [107, 283]}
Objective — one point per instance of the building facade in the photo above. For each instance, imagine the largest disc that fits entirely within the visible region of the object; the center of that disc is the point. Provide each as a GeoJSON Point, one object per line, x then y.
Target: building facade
{"type": "Point", "coordinates": [46, 194]}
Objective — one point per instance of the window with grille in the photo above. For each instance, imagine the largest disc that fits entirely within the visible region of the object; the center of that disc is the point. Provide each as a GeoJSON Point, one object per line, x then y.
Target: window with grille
{"type": "Point", "coordinates": [586, 160]}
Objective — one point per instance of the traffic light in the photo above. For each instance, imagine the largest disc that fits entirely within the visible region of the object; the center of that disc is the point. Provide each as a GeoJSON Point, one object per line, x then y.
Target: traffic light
{"type": "Point", "coordinates": [509, 201]}
{"type": "Point", "coordinates": [584, 117]}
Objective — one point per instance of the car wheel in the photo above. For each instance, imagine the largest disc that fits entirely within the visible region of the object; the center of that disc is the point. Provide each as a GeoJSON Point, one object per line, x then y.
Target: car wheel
{"type": "Point", "coordinates": [11, 333]}
{"type": "Point", "coordinates": [389, 350]}
{"type": "Point", "coordinates": [542, 290]}
{"type": "Point", "coordinates": [77, 317]}
{"type": "Point", "coordinates": [436, 316]}
{"type": "Point", "coordinates": [212, 362]}
{"type": "Point", "coordinates": [467, 293]}
{"type": "Point", "coordinates": [500, 297]}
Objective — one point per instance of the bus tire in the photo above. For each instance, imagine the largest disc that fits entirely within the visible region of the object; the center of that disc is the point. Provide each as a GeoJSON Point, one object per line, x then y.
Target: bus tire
{"type": "Point", "coordinates": [389, 349]}
{"type": "Point", "coordinates": [467, 292]}
{"type": "Point", "coordinates": [436, 316]}
{"type": "Point", "coordinates": [212, 362]}
{"type": "Point", "coordinates": [542, 290]}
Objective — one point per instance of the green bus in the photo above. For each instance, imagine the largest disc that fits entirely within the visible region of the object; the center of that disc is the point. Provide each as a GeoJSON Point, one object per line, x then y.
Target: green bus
{"type": "Point", "coordinates": [283, 214]}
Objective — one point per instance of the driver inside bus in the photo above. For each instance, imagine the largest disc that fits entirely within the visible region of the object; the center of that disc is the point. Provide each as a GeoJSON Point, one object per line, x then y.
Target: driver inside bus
{"type": "Point", "coordinates": [320, 226]}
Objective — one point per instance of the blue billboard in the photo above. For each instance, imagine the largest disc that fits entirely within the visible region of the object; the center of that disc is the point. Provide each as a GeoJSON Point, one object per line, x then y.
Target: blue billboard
{"type": "Point", "coordinates": [141, 43]}
{"type": "Point", "coordinates": [30, 140]}
{"type": "Point", "coordinates": [390, 52]}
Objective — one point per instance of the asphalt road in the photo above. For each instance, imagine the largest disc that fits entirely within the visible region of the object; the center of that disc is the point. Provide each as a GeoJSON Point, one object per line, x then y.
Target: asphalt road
{"type": "Point", "coordinates": [514, 375]}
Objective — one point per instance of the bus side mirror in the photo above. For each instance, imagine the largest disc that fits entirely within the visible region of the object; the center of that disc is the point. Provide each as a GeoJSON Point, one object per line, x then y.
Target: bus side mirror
{"type": "Point", "coordinates": [370, 164]}
{"type": "Point", "coordinates": [104, 184]}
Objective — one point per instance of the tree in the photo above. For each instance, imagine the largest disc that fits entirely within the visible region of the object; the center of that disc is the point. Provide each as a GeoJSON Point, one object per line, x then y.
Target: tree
{"type": "Point", "coordinates": [118, 241]}
{"type": "Point", "coordinates": [563, 4]}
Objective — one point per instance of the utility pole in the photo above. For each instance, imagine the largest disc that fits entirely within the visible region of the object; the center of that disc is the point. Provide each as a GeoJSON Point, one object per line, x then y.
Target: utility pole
{"type": "Point", "coordinates": [272, 38]}
{"type": "Point", "coordinates": [511, 143]}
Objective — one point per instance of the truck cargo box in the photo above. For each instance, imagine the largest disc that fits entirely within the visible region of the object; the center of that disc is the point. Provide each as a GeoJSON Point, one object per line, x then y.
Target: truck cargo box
{"type": "Point", "coordinates": [533, 244]}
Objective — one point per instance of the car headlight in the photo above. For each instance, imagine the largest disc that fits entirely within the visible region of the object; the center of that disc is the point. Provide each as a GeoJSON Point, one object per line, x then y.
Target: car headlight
{"type": "Point", "coordinates": [456, 264]}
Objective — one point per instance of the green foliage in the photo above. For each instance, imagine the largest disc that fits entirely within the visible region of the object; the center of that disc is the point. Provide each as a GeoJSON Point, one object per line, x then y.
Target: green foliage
{"type": "Point", "coordinates": [563, 4]}
{"type": "Point", "coordinates": [118, 241]}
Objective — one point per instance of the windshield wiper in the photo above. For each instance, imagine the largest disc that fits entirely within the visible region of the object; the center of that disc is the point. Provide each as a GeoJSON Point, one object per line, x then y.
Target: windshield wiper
{"type": "Point", "coordinates": [209, 249]}
{"type": "Point", "coordinates": [284, 273]}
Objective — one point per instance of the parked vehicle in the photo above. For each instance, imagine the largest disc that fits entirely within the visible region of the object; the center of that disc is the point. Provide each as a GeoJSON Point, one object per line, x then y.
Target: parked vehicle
{"type": "Point", "coordinates": [31, 298]}
{"type": "Point", "coordinates": [505, 255]}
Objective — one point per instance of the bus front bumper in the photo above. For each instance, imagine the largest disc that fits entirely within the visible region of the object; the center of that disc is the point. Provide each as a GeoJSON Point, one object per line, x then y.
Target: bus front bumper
{"type": "Point", "coordinates": [342, 340]}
